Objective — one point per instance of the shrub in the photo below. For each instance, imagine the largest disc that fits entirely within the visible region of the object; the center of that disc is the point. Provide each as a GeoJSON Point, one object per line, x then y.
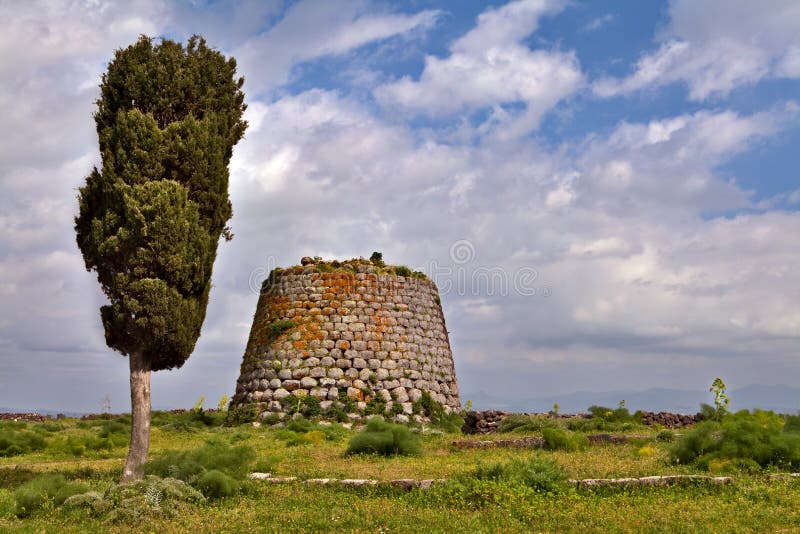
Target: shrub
{"type": "Point", "coordinates": [526, 423]}
{"type": "Point", "coordinates": [402, 270]}
{"type": "Point", "coordinates": [267, 463]}
{"type": "Point", "coordinates": [191, 466]}
{"type": "Point", "coordinates": [216, 484]}
{"type": "Point", "coordinates": [114, 429]}
{"type": "Point", "coordinates": [188, 421]}
{"type": "Point", "coordinates": [45, 488]}
{"type": "Point", "coordinates": [107, 439]}
{"type": "Point", "coordinates": [48, 426]}
{"type": "Point", "coordinates": [501, 483]}
{"type": "Point", "coordinates": [7, 505]}
{"type": "Point", "coordinates": [13, 442]}
{"type": "Point", "coordinates": [385, 439]}
{"type": "Point", "coordinates": [615, 415]}
{"type": "Point", "coordinates": [243, 414]}
{"type": "Point", "coordinates": [301, 431]}
{"type": "Point", "coordinates": [452, 422]}
{"type": "Point", "coordinates": [276, 328]}
{"type": "Point", "coordinates": [307, 406]}
{"type": "Point", "coordinates": [426, 405]}
{"type": "Point", "coordinates": [759, 436]}
{"type": "Point", "coordinates": [377, 259]}
{"type": "Point", "coordinates": [564, 440]}
{"type": "Point", "coordinates": [138, 500]}
{"type": "Point", "coordinates": [792, 423]}
{"type": "Point", "coordinates": [666, 436]}
{"type": "Point", "coordinates": [375, 405]}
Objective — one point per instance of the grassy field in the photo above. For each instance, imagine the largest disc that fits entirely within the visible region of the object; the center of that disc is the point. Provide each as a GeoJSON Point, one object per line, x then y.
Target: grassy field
{"type": "Point", "coordinates": [76, 449]}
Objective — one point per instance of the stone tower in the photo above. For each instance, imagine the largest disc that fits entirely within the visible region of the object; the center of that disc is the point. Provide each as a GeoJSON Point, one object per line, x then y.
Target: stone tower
{"type": "Point", "coordinates": [356, 336]}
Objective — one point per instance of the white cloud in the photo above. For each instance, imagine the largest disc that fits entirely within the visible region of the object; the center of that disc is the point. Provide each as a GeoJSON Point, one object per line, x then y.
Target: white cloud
{"type": "Point", "coordinates": [634, 281]}
{"type": "Point", "coordinates": [489, 67]}
{"type": "Point", "coordinates": [599, 22]}
{"type": "Point", "coordinates": [670, 162]}
{"type": "Point", "coordinates": [314, 28]}
{"type": "Point", "coordinates": [717, 46]}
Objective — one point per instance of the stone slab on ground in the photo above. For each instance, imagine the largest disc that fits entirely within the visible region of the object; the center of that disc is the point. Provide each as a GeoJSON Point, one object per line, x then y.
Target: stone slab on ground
{"type": "Point", "coordinates": [668, 480]}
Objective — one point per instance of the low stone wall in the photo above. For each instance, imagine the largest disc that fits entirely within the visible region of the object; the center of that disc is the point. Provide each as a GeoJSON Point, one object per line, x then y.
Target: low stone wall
{"type": "Point", "coordinates": [670, 420]}
{"type": "Point", "coordinates": [33, 416]}
{"type": "Point", "coordinates": [486, 422]}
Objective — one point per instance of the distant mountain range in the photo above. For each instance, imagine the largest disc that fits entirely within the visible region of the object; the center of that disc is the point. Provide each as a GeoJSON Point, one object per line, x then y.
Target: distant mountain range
{"type": "Point", "coordinates": [780, 398]}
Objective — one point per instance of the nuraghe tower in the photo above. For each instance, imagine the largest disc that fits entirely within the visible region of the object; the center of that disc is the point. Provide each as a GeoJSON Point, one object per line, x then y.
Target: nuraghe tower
{"type": "Point", "coordinates": [352, 334]}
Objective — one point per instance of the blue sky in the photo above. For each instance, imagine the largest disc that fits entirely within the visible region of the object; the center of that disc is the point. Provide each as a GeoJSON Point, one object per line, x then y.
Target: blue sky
{"type": "Point", "coordinates": [615, 184]}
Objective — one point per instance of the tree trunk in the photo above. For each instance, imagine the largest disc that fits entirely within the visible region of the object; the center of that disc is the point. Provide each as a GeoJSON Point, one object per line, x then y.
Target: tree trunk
{"type": "Point", "coordinates": [140, 418]}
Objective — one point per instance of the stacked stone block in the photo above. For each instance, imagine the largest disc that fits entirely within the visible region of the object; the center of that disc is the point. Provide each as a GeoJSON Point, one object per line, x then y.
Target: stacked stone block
{"type": "Point", "coordinates": [330, 332]}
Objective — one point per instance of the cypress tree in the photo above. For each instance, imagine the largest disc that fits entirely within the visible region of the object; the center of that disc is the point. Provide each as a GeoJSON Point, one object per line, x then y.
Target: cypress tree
{"type": "Point", "coordinates": [151, 217]}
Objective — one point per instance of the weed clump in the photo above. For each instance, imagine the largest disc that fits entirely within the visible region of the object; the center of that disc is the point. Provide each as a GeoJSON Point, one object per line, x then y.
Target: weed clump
{"type": "Point", "coordinates": [137, 501]}
{"type": "Point", "coordinates": [34, 494]}
{"type": "Point", "coordinates": [557, 439]}
{"type": "Point", "coordinates": [385, 439]}
{"type": "Point", "coordinates": [107, 436]}
{"type": "Point", "coordinates": [516, 481]}
{"type": "Point", "coordinates": [448, 422]}
{"type": "Point", "coordinates": [740, 441]}
{"type": "Point", "coordinates": [188, 421]}
{"type": "Point", "coordinates": [215, 484]}
{"type": "Point", "coordinates": [402, 270]}
{"type": "Point", "coordinates": [193, 466]}
{"type": "Point", "coordinates": [537, 473]}
{"type": "Point", "coordinates": [276, 328]}
{"type": "Point", "coordinates": [519, 423]}
{"type": "Point", "coordinates": [301, 431]}
{"type": "Point", "coordinates": [16, 442]}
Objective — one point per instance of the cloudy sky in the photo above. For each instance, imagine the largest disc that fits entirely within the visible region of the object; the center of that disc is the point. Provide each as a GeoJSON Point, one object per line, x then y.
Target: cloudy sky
{"type": "Point", "coordinates": [607, 194]}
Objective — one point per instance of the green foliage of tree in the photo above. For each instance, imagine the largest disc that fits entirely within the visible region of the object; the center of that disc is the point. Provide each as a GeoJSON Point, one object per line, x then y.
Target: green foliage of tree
{"type": "Point", "coordinates": [377, 259]}
{"type": "Point", "coordinates": [151, 217]}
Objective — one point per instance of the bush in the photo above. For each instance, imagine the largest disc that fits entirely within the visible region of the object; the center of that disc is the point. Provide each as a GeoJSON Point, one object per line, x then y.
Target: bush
{"type": "Point", "coordinates": [81, 445]}
{"type": "Point", "coordinates": [216, 484]}
{"type": "Point", "coordinates": [141, 499]}
{"type": "Point", "coordinates": [500, 483]}
{"type": "Point", "coordinates": [13, 442]}
{"type": "Point", "coordinates": [48, 426]}
{"type": "Point", "coordinates": [452, 422]}
{"type": "Point", "coordinates": [301, 431]}
{"type": "Point", "coordinates": [243, 414]}
{"type": "Point", "coordinates": [526, 423]}
{"type": "Point", "coordinates": [276, 328]}
{"type": "Point", "coordinates": [115, 429]}
{"type": "Point", "coordinates": [34, 494]}
{"type": "Point", "coordinates": [188, 421]}
{"type": "Point", "coordinates": [615, 415]}
{"type": "Point", "coordinates": [385, 439]}
{"type": "Point", "coordinates": [760, 437]}
{"type": "Point", "coordinates": [792, 423]}
{"type": "Point", "coordinates": [191, 466]}
{"type": "Point", "coordinates": [377, 259]}
{"type": "Point", "coordinates": [537, 473]}
{"type": "Point", "coordinates": [666, 436]}
{"type": "Point", "coordinates": [557, 439]}
{"type": "Point", "coordinates": [426, 405]}
{"type": "Point", "coordinates": [307, 406]}
{"type": "Point", "coordinates": [402, 270]}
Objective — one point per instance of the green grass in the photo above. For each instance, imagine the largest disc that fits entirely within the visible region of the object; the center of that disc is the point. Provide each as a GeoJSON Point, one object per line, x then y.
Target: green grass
{"type": "Point", "coordinates": [492, 490]}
